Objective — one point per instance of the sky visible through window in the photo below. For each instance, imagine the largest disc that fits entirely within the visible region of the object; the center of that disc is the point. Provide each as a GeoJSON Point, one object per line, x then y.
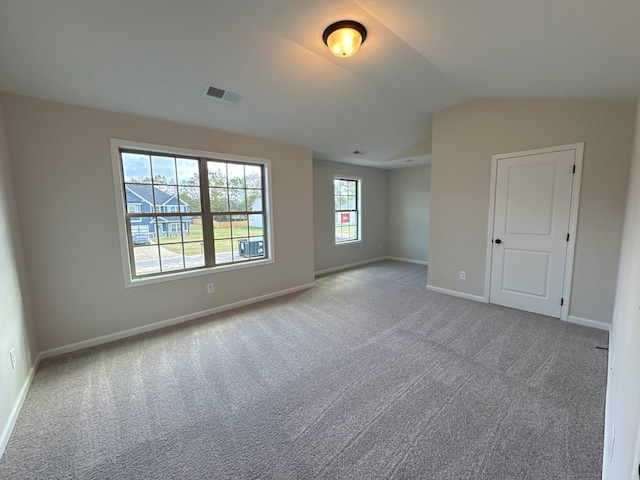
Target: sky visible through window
{"type": "Point", "coordinates": [172, 229]}
{"type": "Point", "coordinates": [137, 167]}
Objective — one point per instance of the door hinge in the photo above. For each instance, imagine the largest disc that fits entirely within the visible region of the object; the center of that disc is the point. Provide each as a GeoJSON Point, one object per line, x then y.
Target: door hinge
{"type": "Point", "coordinates": [561, 301]}
{"type": "Point", "coordinates": [574, 169]}
{"type": "Point", "coordinates": [567, 237]}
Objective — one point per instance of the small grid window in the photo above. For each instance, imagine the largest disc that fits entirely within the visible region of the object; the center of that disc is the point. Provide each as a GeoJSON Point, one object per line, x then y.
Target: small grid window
{"type": "Point", "coordinates": [346, 193]}
{"type": "Point", "coordinates": [187, 213]}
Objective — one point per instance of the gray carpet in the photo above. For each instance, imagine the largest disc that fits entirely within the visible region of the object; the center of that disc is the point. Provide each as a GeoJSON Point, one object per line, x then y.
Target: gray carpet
{"type": "Point", "coordinates": [367, 375]}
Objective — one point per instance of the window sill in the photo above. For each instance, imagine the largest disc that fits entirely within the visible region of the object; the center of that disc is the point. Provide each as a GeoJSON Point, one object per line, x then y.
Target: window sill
{"type": "Point", "coordinates": [350, 242]}
{"type": "Point", "coordinates": [171, 277]}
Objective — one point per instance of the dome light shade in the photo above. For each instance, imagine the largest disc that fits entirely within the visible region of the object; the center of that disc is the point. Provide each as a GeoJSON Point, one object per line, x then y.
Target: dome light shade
{"type": "Point", "coordinates": [344, 38]}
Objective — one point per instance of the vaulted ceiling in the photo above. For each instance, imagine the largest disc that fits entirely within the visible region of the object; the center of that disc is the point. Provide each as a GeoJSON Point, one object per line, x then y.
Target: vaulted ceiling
{"type": "Point", "coordinates": [155, 58]}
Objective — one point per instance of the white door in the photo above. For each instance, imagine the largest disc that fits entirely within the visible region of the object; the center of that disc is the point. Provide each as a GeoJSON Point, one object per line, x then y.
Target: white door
{"type": "Point", "coordinates": [533, 194]}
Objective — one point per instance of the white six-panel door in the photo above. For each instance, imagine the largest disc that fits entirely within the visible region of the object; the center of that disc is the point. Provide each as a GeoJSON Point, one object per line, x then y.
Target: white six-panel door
{"type": "Point", "coordinates": [533, 196]}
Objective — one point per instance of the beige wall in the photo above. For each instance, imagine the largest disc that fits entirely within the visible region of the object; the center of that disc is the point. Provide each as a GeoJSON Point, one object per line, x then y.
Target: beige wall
{"type": "Point", "coordinates": [15, 319]}
{"type": "Point", "coordinates": [65, 197]}
{"type": "Point", "coordinates": [623, 386]}
{"type": "Point", "coordinates": [408, 222]}
{"type": "Point", "coordinates": [374, 215]}
{"type": "Point", "coordinates": [464, 139]}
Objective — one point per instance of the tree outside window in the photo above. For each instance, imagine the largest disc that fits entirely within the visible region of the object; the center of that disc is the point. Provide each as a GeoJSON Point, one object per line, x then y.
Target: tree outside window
{"type": "Point", "coordinates": [187, 213]}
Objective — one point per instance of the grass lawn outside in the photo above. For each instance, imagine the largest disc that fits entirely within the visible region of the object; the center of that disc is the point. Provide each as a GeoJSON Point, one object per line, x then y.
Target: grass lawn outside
{"type": "Point", "coordinates": [345, 233]}
{"type": "Point", "coordinates": [193, 243]}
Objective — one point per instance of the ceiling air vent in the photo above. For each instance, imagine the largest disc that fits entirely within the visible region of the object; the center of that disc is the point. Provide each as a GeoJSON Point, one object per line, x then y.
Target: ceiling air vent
{"type": "Point", "coordinates": [223, 94]}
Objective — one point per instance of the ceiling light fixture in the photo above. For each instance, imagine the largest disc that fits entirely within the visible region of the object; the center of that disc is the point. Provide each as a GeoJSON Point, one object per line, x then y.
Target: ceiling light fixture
{"type": "Point", "coordinates": [344, 37]}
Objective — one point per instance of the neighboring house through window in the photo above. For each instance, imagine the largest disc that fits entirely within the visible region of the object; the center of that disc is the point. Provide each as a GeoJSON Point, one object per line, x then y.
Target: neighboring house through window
{"type": "Point", "coordinates": [347, 224]}
{"type": "Point", "coordinates": [189, 213]}
{"type": "Point", "coordinates": [149, 195]}
{"type": "Point", "coordinates": [134, 208]}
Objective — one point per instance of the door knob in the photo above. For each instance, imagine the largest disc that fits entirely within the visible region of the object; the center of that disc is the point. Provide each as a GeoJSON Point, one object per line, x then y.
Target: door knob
{"type": "Point", "coordinates": [498, 241]}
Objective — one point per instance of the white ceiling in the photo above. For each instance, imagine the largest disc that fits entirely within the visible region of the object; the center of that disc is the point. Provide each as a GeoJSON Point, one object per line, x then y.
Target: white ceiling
{"type": "Point", "coordinates": [155, 58]}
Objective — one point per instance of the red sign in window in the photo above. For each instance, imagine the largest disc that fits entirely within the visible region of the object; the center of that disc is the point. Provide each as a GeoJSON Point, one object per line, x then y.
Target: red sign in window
{"type": "Point", "coordinates": [345, 218]}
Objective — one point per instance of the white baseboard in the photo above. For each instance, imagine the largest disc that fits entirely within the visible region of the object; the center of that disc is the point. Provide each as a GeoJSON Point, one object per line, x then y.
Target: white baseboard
{"type": "Point", "coordinates": [572, 319]}
{"type": "Point", "coordinates": [585, 322]}
{"type": "Point", "coordinates": [408, 260]}
{"type": "Point", "coordinates": [372, 260]}
{"type": "Point", "coordinates": [468, 296]}
{"type": "Point", "coordinates": [350, 265]}
{"type": "Point", "coordinates": [8, 428]}
{"type": "Point", "coordinates": [17, 406]}
{"type": "Point", "coordinates": [166, 323]}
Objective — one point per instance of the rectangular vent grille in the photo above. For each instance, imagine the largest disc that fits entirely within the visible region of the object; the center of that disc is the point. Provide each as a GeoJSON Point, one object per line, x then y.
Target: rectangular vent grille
{"type": "Point", "coordinates": [223, 95]}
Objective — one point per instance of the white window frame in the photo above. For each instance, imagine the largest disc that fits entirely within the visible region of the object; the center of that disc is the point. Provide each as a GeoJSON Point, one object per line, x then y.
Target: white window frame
{"type": "Point", "coordinates": [358, 181]}
{"type": "Point", "coordinates": [120, 202]}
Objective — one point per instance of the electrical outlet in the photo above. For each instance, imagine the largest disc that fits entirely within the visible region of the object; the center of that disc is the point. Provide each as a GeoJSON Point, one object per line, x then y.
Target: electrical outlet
{"type": "Point", "coordinates": [209, 287]}
{"type": "Point", "coordinates": [379, 247]}
{"type": "Point", "coordinates": [12, 355]}
{"type": "Point", "coordinates": [463, 275]}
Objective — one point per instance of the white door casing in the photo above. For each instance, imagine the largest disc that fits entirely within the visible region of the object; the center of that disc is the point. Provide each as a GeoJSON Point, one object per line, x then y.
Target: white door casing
{"type": "Point", "coordinates": [531, 236]}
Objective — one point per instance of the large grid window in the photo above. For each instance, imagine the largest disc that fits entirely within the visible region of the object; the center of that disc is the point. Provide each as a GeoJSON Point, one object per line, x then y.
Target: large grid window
{"type": "Point", "coordinates": [187, 213]}
{"type": "Point", "coordinates": [346, 193]}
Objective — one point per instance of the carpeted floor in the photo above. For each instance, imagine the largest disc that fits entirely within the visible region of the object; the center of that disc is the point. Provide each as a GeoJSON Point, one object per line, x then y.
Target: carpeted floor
{"type": "Point", "coordinates": [367, 375]}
